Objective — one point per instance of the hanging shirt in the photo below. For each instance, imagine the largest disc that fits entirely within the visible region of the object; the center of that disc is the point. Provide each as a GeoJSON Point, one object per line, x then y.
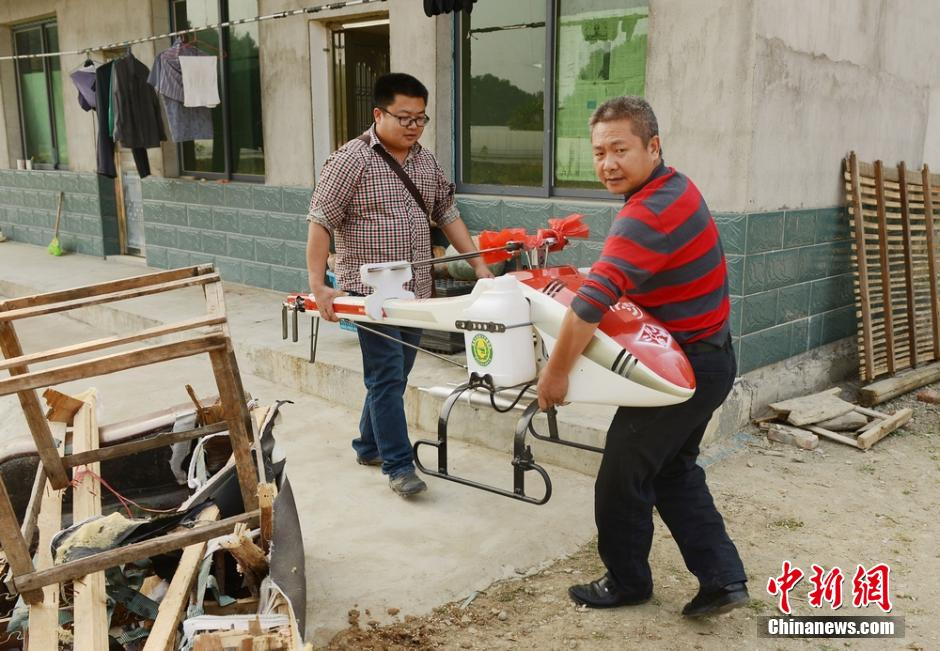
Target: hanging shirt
{"type": "Point", "coordinates": [137, 119]}
{"type": "Point", "coordinates": [200, 80]}
{"type": "Point", "coordinates": [186, 123]}
{"type": "Point", "coordinates": [84, 80]}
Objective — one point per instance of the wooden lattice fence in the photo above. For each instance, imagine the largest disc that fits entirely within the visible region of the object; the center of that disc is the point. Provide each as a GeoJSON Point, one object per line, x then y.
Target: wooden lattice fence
{"type": "Point", "coordinates": [895, 252]}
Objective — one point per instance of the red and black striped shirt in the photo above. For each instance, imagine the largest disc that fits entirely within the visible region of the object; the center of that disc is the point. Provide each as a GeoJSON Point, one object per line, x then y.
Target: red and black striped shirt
{"type": "Point", "coordinates": [664, 254]}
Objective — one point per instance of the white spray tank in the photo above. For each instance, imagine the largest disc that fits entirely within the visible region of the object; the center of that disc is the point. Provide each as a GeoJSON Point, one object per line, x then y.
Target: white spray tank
{"type": "Point", "coordinates": [507, 356]}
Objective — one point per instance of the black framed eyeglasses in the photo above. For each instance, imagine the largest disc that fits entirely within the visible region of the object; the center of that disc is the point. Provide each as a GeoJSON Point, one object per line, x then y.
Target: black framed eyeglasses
{"type": "Point", "coordinates": [407, 120]}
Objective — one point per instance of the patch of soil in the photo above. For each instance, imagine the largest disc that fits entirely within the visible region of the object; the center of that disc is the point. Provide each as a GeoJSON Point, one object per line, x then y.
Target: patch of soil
{"type": "Point", "coordinates": [834, 506]}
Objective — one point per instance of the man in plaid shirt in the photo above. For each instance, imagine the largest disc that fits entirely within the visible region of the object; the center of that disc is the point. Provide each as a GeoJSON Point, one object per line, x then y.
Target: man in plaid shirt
{"type": "Point", "coordinates": [374, 218]}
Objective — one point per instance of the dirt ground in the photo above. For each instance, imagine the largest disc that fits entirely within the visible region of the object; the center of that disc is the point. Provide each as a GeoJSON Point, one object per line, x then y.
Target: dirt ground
{"type": "Point", "coordinates": [834, 506]}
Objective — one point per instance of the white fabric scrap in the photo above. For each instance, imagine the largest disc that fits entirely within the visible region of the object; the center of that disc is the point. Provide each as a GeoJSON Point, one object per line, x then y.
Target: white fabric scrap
{"type": "Point", "coordinates": [200, 80]}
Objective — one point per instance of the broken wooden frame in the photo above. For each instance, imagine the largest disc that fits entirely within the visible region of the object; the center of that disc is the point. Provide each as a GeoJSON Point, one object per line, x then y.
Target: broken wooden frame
{"type": "Point", "coordinates": [212, 340]}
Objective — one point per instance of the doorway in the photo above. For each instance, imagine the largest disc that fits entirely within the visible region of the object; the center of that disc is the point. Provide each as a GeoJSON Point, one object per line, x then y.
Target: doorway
{"type": "Point", "coordinates": [360, 56]}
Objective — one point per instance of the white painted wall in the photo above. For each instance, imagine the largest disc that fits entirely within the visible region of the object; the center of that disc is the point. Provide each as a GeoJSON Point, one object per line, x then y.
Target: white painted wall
{"type": "Point", "coordinates": [699, 76]}
{"type": "Point", "coordinates": [833, 76]}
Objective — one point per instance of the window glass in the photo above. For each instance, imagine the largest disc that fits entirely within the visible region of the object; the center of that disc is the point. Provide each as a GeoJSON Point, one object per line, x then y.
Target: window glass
{"type": "Point", "coordinates": [245, 90]}
{"type": "Point", "coordinates": [601, 53]}
{"type": "Point", "coordinates": [34, 98]}
{"type": "Point", "coordinates": [503, 91]}
{"type": "Point", "coordinates": [58, 108]}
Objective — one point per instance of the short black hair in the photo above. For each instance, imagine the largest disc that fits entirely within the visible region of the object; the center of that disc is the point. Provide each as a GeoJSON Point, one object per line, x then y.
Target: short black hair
{"type": "Point", "coordinates": [629, 107]}
{"type": "Point", "coordinates": [397, 83]}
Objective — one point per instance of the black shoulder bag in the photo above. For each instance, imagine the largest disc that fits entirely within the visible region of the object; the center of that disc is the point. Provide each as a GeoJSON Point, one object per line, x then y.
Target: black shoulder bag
{"type": "Point", "coordinates": [402, 175]}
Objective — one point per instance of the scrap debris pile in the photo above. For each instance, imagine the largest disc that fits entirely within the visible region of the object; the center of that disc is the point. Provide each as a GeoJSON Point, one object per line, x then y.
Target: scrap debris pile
{"type": "Point", "coordinates": [801, 421]}
{"type": "Point", "coordinates": [217, 594]}
{"type": "Point", "coordinates": [172, 530]}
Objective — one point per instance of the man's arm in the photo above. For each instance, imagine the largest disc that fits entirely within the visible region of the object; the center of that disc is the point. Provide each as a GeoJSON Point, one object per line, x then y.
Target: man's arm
{"type": "Point", "coordinates": [456, 231]}
{"type": "Point", "coordinates": [318, 249]}
{"type": "Point", "coordinates": [575, 335]}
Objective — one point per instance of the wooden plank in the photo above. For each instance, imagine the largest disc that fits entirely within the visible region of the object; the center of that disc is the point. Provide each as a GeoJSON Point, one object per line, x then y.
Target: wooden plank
{"type": "Point", "coordinates": [38, 425]}
{"type": "Point", "coordinates": [233, 401]}
{"type": "Point", "coordinates": [90, 602]}
{"type": "Point", "coordinates": [133, 552]}
{"type": "Point", "coordinates": [119, 200]}
{"type": "Point", "coordinates": [932, 263]}
{"type": "Point", "coordinates": [885, 271]}
{"type": "Point", "coordinates": [848, 421]}
{"type": "Point", "coordinates": [31, 517]}
{"type": "Point", "coordinates": [875, 434]}
{"type": "Point", "coordinates": [141, 445]}
{"type": "Point", "coordinates": [266, 494]}
{"type": "Point", "coordinates": [110, 342]}
{"type": "Point", "coordinates": [61, 406]}
{"type": "Point", "coordinates": [42, 633]}
{"type": "Point", "coordinates": [163, 633]}
{"type": "Point", "coordinates": [110, 364]}
{"type": "Point", "coordinates": [14, 547]}
{"type": "Point", "coordinates": [822, 431]}
{"type": "Point", "coordinates": [862, 269]}
{"type": "Point", "coordinates": [813, 408]}
{"type": "Point", "coordinates": [796, 436]}
{"type": "Point", "coordinates": [52, 308]}
{"type": "Point", "coordinates": [252, 562]}
{"type": "Point", "coordinates": [882, 390]}
{"type": "Point", "coordinates": [908, 266]}
{"type": "Point", "coordinates": [107, 287]}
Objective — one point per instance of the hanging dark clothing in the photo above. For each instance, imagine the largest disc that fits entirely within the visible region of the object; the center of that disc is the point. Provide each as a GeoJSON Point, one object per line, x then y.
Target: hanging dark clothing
{"type": "Point", "coordinates": [137, 119]}
{"type": "Point", "coordinates": [105, 142]}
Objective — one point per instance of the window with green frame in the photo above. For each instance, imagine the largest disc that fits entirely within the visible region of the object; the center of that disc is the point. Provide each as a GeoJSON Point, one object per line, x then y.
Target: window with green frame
{"type": "Point", "coordinates": [39, 87]}
{"type": "Point", "coordinates": [530, 63]}
{"type": "Point", "coordinates": [237, 147]}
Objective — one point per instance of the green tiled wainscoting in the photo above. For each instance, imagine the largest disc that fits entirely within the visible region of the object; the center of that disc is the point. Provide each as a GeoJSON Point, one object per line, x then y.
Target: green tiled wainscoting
{"type": "Point", "coordinates": [791, 282]}
{"type": "Point", "coordinates": [254, 234]}
{"type": "Point", "coordinates": [28, 202]}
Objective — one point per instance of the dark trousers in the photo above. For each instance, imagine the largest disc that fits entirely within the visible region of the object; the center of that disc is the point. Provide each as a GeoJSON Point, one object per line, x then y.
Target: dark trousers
{"type": "Point", "coordinates": [649, 460]}
{"type": "Point", "coordinates": [383, 430]}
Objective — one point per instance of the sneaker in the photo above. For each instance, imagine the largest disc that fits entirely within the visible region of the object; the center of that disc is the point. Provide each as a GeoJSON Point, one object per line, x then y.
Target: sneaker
{"type": "Point", "coordinates": [716, 602]}
{"type": "Point", "coordinates": [377, 461]}
{"type": "Point", "coordinates": [407, 485]}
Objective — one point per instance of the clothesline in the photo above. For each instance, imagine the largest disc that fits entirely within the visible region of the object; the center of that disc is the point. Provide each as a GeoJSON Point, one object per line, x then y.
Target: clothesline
{"type": "Point", "coordinates": [229, 23]}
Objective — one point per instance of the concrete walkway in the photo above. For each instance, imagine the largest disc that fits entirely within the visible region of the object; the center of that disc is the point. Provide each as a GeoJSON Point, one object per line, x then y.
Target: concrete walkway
{"type": "Point", "coordinates": [365, 547]}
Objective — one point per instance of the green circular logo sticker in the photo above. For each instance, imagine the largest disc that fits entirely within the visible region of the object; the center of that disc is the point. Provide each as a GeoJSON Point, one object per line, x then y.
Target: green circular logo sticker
{"type": "Point", "coordinates": [482, 350]}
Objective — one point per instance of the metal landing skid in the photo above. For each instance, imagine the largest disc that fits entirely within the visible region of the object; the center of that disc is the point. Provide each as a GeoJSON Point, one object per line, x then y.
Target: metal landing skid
{"type": "Point", "coordinates": [522, 458]}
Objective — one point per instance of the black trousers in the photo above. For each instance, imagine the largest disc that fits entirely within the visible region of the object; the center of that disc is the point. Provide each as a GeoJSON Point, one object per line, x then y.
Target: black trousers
{"type": "Point", "coordinates": [649, 460]}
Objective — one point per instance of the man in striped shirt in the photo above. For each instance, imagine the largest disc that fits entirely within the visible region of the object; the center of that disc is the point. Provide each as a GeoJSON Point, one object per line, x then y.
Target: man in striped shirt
{"type": "Point", "coordinates": [374, 217]}
{"type": "Point", "coordinates": [664, 253]}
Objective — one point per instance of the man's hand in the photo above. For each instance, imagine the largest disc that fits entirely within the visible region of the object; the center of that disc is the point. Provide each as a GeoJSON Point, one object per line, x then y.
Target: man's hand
{"type": "Point", "coordinates": [552, 388]}
{"type": "Point", "coordinates": [324, 296]}
{"type": "Point", "coordinates": [481, 270]}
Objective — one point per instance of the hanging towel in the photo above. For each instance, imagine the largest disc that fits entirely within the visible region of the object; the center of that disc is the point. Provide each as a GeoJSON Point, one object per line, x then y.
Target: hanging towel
{"type": "Point", "coordinates": [186, 123]}
{"type": "Point", "coordinates": [200, 80]}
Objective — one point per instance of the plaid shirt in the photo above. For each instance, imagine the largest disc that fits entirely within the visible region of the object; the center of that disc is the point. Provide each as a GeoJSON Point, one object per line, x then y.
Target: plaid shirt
{"type": "Point", "coordinates": [373, 216]}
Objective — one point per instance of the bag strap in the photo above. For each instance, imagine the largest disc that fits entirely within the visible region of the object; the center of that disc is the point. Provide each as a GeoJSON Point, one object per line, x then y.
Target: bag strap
{"type": "Point", "coordinates": [402, 175]}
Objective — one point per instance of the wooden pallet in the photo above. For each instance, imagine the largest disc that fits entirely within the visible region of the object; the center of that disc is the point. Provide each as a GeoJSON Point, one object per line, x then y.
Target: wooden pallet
{"type": "Point", "coordinates": [895, 250]}
{"type": "Point", "coordinates": [204, 335]}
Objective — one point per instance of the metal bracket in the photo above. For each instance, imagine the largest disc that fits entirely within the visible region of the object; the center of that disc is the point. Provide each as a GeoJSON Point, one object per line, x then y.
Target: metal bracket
{"type": "Point", "coordinates": [522, 459]}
